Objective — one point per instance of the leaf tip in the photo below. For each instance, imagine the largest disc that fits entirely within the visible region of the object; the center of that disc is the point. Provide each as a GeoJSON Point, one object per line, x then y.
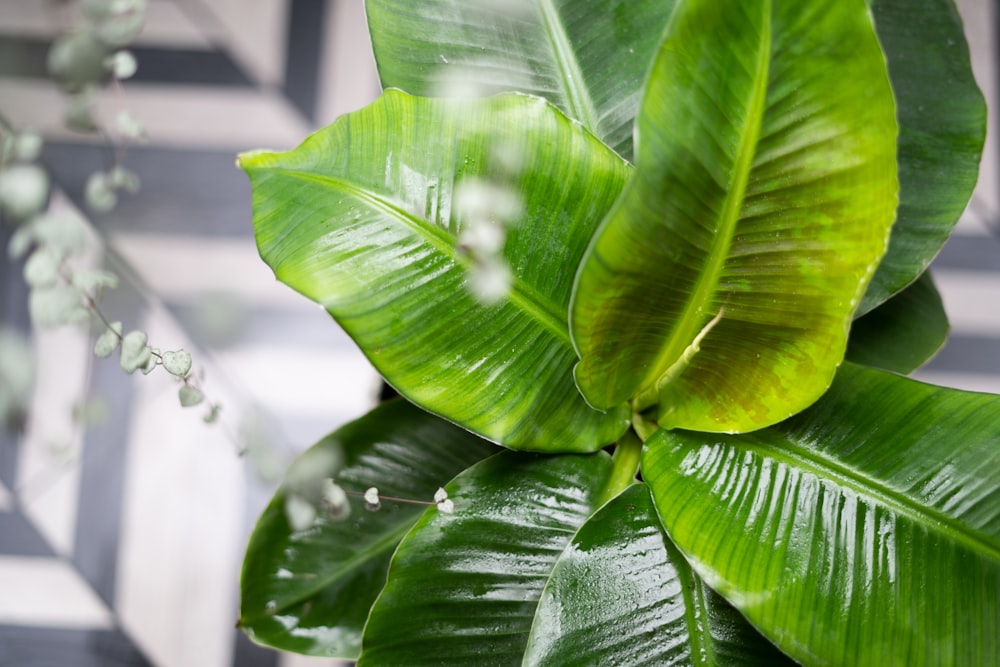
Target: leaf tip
{"type": "Point", "coordinates": [250, 159]}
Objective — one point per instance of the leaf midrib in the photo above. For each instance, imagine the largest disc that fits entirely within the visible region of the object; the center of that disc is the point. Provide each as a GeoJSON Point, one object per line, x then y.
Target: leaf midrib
{"type": "Point", "coordinates": [692, 318]}
{"type": "Point", "coordinates": [386, 543]}
{"type": "Point", "coordinates": [696, 615]}
{"type": "Point", "coordinates": [824, 467]}
{"type": "Point", "coordinates": [578, 99]}
{"type": "Point", "coordinates": [523, 295]}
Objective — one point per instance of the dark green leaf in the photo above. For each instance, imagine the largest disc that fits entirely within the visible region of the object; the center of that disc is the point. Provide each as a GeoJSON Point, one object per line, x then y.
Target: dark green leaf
{"type": "Point", "coordinates": [621, 594]}
{"type": "Point", "coordinates": [902, 333]}
{"type": "Point", "coordinates": [588, 57]}
{"type": "Point", "coordinates": [942, 126]}
{"type": "Point", "coordinates": [462, 587]}
{"type": "Point", "coordinates": [763, 196]}
{"type": "Point", "coordinates": [865, 531]}
{"type": "Point", "coordinates": [361, 218]}
{"type": "Point", "coordinates": [310, 591]}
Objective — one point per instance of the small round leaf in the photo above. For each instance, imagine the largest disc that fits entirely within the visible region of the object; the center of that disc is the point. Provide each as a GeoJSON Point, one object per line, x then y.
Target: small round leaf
{"type": "Point", "coordinates": [300, 512]}
{"type": "Point", "coordinates": [108, 341]}
{"type": "Point", "coordinates": [91, 280]}
{"type": "Point", "coordinates": [130, 128]}
{"type": "Point", "coordinates": [52, 306]}
{"type": "Point", "coordinates": [80, 112]}
{"type": "Point", "coordinates": [99, 194]}
{"type": "Point", "coordinates": [17, 375]}
{"type": "Point", "coordinates": [124, 22]}
{"type": "Point", "coordinates": [135, 352]}
{"type": "Point", "coordinates": [28, 146]}
{"type": "Point", "coordinates": [123, 178]}
{"type": "Point", "coordinates": [59, 231]}
{"type": "Point", "coordinates": [122, 64]}
{"type": "Point", "coordinates": [334, 501]}
{"type": "Point", "coordinates": [42, 268]}
{"type": "Point", "coordinates": [212, 415]}
{"type": "Point", "coordinates": [177, 363]}
{"type": "Point", "coordinates": [190, 396]}
{"type": "Point", "coordinates": [76, 60]}
{"type": "Point", "coordinates": [23, 190]}
{"type": "Point", "coordinates": [154, 358]}
{"type": "Point", "coordinates": [21, 241]}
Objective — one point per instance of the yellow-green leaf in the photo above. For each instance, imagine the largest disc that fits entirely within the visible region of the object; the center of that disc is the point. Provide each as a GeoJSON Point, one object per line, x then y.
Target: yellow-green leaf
{"type": "Point", "coordinates": [723, 284]}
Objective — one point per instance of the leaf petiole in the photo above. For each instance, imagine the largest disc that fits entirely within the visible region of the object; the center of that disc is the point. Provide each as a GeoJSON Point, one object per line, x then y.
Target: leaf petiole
{"type": "Point", "coordinates": [624, 466]}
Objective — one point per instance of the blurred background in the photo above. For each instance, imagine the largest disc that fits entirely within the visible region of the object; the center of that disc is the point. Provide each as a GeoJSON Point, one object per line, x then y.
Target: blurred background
{"type": "Point", "coordinates": [122, 527]}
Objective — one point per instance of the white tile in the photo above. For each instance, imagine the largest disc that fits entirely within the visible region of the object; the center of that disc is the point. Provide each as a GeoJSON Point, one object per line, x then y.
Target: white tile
{"type": "Point", "coordinates": [48, 465]}
{"type": "Point", "coordinates": [204, 117]}
{"type": "Point", "coordinates": [252, 31]}
{"type": "Point", "coordinates": [181, 544]}
{"type": "Point", "coordinates": [967, 381]}
{"type": "Point", "coordinates": [31, 104]}
{"type": "Point", "coordinates": [293, 660]}
{"type": "Point", "coordinates": [166, 24]}
{"type": "Point", "coordinates": [979, 19]}
{"type": "Point", "coordinates": [173, 115]}
{"type": "Point", "coordinates": [34, 18]}
{"type": "Point", "coordinates": [975, 221]}
{"type": "Point", "coordinates": [6, 502]}
{"type": "Point", "coordinates": [48, 479]}
{"type": "Point", "coordinates": [48, 592]}
{"type": "Point", "coordinates": [182, 268]}
{"type": "Point", "coordinates": [971, 299]}
{"type": "Point", "coordinates": [332, 385]}
{"type": "Point", "coordinates": [348, 79]}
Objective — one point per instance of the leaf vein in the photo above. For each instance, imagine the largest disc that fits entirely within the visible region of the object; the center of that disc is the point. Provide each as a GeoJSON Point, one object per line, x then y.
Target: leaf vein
{"type": "Point", "coordinates": [522, 294]}
{"type": "Point", "coordinates": [826, 468]}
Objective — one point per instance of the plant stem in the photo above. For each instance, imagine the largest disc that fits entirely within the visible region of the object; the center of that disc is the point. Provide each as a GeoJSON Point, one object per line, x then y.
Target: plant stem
{"type": "Point", "coordinates": [624, 466]}
{"type": "Point", "coordinates": [644, 427]}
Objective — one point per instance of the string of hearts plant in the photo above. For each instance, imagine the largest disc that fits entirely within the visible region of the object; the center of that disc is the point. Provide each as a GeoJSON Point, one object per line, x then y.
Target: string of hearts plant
{"type": "Point", "coordinates": [89, 54]}
{"type": "Point", "coordinates": [631, 244]}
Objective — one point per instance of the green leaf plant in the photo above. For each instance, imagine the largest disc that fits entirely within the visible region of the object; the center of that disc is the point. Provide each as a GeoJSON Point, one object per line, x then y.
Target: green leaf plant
{"type": "Point", "coordinates": [671, 258]}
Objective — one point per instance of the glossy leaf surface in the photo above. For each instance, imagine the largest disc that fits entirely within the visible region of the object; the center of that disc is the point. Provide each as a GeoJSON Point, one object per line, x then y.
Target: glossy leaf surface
{"type": "Point", "coordinates": [463, 587]}
{"type": "Point", "coordinates": [904, 332]}
{"type": "Point", "coordinates": [763, 196]}
{"type": "Point", "coordinates": [621, 594]}
{"type": "Point", "coordinates": [309, 591]}
{"type": "Point", "coordinates": [942, 126]}
{"type": "Point", "coordinates": [362, 219]}
{"type": "Point", "coordinates": [588, 57]}
{"type": "Point", "coordinates": [868, 540]}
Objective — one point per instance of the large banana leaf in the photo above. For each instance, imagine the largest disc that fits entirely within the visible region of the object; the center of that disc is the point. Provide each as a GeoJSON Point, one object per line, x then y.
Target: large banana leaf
{"type": "Point", "coordinates": [588, 57]}
{"type": "Point", "coordinates": [583, 53]}
{"type": "Point", "coordinates": [902, 333]}
{"type": "Point", "coordinates": [361, 218]}
{"type": "Point", "coordinates": [310, 590]}
{"type": "Point", "coordinates": [621, 594]}
{"type": "Point", "coordinates": [865, 531]}
{"type": "Point", "coordinates": [463, 587]}
{"type": "Point", "coordinates": [942, 126]}
{"type": "Point", "coordinates": [764, 191]}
